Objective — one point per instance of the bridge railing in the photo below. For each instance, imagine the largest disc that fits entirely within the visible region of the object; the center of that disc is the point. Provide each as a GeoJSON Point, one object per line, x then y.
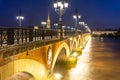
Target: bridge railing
{"type": "Point", "coordinates": [9, 36]}
{"type": "Point", "coordinates": [72, 32]}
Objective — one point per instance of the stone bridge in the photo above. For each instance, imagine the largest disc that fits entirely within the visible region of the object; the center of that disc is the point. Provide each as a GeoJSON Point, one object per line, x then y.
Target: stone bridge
{"type": "Point", "coordinates": [37, 58]}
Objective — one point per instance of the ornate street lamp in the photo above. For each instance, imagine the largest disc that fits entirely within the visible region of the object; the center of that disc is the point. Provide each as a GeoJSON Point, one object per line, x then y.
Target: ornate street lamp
{"type": "Point", "coordinates": [83, 25]}
{"type": "Point", "coordinates": [43, 24]}
{"type": "Point", "coordinates": [76, 16]}
{"type": "Point", "coordinates": [60, 7]}
{"type": "Point", "coordinates": [20, 18]}
{"type": "Point", "coordinates": [68, 27]}
{"type": "Point", "coordinates": [43, 29]}
{"type": "Point", "coordinates": [56, 25]}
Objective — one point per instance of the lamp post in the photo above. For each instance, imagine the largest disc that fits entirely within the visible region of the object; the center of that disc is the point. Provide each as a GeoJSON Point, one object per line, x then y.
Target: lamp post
{"type": "Point", "coordinates": [43, 24]}
{"type": "Point", "coordinates": [68, 27]}
{"type": "Point", "coordinates": [82, 24]}
{"type": "Point", "coordinates": [76, 16]}
{"type": "Point", "coordinates": [20, 18]}
{"type": "Point", "coordinates": [60, 7]}
{"type": "Point", "coordinates": [56, 25]}
{"type": "Point", "coordinates": [43, 29]}
{"type": "Point", "coordinates": [63, 26]}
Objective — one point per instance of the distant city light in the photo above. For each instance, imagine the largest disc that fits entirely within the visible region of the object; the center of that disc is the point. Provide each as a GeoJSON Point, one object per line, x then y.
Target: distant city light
{"type": "Point", "coordinates": [36, 27]}
{"type": "Point", "coordinates": [43, 23]}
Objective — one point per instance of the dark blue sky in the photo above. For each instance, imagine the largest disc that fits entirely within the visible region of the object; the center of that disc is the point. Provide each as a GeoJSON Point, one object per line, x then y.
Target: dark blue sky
{"type": "Point", "coordinates": [96, 13]}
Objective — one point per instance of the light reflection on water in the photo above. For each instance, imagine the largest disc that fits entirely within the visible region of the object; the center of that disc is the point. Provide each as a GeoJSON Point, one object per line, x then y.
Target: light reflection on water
{"type": "Point", "coordinates": [99, 61]}
{"type": "Point", "coordinates": [81, 71]}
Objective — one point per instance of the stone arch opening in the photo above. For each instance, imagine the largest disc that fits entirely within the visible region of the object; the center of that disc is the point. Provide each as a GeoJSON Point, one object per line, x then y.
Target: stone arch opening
{"type": "Point", "coordinates": [60, 50]}
{"type": "Point", "coordinates": [21, 76]}
{"type": "Point", "coordinates": [28, 67]}
{"type": "Point", "coordinates": [60, 62]}
{"type": "Point", "coordinates": [74, 44]}
{"type": "Point", "coordinates": [62, 55]}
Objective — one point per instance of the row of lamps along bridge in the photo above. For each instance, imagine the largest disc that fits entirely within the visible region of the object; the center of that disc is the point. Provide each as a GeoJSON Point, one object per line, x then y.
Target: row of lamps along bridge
{"type": "Point", "coordinates": [60, 7]}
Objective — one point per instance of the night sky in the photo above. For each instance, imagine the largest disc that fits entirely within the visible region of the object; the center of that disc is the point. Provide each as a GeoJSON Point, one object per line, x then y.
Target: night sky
{"type": "Point", "coordinates": [96, 13]}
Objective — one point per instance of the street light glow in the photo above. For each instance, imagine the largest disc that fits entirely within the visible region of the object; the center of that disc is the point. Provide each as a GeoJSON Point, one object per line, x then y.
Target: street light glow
{"type": "Point", "coordinates": [56, 24]}
{"type": "Point", "coordinates": [81, 23]}
{"type": "Point", "coordinates": [17, 17]}
{"type": "Point", "coordinates": [59, 4]}
{"type": "Point", "coordinates": [65, 5]}
{"type": "Point", "coordinates": [36, 27]}
{"type": "Point", "coordinates": [74, 16]}
{"type": "Point", "coordinates": [20, 18]}
{"type": "Point", "coordinates": [79, 16]}
{"type": "Point", "coordinates": [60, 7]}
{"type": "Point", "coordinates": [63, 27]}
{"type": "Point", "coordinates": [43, 23]}
{"type": "Point", "coordinates": [68, 27]}
{"type": "Point", "coordinates": [55, 5]}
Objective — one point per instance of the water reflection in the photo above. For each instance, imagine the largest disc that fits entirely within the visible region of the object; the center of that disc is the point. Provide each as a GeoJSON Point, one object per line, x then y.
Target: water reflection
{"type": "Point", "coordinates": [81, 71]}
{"type": "Point", "coordinates": [99, 61]}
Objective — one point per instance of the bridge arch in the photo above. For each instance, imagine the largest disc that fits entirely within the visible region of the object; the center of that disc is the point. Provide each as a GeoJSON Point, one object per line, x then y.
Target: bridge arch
{"type": "Point", "coordinates": [29, 66]}
{"type": "Point", "coordinates": [79, 40]}
{"type": "Point", "coordinates": [74, 43]}
{"type": "Point", "coordinates": [57, 52]}
{"type": "Point", "coordinates": [21, 76]}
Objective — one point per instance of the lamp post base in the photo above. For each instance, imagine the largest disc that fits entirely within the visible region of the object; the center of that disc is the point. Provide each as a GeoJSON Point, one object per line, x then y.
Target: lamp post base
{"type": "Point", "coordinates": [60, 30]}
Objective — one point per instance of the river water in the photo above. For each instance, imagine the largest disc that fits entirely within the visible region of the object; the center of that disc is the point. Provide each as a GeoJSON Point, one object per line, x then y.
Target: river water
{"type": "Point", "coordinates": [100, 60]}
